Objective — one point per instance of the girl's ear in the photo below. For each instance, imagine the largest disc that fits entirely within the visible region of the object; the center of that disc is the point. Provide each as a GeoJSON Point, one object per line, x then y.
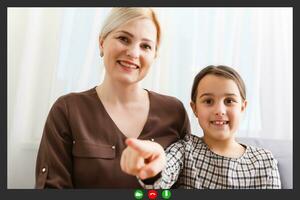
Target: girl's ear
{"type": "Point", "coordinates": [244, 105]}
{"type": "Point", "coordinates": [193, 106]}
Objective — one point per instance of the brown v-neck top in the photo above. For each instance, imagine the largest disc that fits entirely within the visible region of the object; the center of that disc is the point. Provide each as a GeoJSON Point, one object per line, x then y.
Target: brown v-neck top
{"type": "Point", "coordinates": [81, 145]}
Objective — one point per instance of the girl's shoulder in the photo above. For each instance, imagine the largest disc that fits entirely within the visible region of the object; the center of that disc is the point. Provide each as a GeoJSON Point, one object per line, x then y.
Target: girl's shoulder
{"type": "Point", "coordinates": [196, 140]}
{"type": "Point", "coordinates": [259, 155]}
{"type": "Point", "coordinates": [194, 143]}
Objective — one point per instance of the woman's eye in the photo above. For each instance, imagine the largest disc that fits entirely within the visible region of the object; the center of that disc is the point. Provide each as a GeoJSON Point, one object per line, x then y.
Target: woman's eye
{"type": "Point", "coordinates": [146, 46]}
{"type": "Point", "coordinates": [123, 39]}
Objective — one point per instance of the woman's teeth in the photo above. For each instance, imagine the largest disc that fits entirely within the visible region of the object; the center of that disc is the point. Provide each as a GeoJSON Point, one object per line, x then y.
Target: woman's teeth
{"type": "Point", "coordinates": [125, 64]}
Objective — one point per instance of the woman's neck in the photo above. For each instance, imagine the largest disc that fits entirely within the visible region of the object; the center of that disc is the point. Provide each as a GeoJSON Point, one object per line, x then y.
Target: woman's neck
{"type": "Point", "coordinates": [228, 147]}
{"type": "Point", "coordinates": [118, 93]}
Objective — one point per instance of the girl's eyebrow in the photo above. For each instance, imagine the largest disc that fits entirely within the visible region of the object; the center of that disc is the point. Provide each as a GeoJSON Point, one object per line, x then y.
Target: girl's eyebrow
{"type": "Point", "coordinates": [131, 35]}
{"type": "Point", "coordinates": [230, 94]}
{"type": "Point", "coordinates": [211, 94]}
{"type": "Point", "coordinates": [206, 94]}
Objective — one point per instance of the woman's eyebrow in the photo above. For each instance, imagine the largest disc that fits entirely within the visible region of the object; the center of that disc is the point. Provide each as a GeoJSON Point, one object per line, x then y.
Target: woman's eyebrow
{"type": "Point", "coordinates": [125, 32]}
{"type": "Point", "coordinates": [131, 35]}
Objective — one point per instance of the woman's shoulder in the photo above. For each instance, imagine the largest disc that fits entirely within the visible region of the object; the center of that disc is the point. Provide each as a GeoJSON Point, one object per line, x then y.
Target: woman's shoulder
{"type": "Point", "coordinates": [77, 96]}
{"type": "Point", "coordinates": [76, 100]}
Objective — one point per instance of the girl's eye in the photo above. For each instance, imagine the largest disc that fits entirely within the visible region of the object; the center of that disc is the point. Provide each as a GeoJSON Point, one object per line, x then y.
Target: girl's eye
{"type": "Point", "coordinates": [208, 101]}
{"type": "Point", "coordinates": [229, 101]}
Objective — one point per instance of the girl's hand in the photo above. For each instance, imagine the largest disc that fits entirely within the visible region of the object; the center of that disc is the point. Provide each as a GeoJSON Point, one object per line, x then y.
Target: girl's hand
{"type": "Point", "coordinates": [143, 158]}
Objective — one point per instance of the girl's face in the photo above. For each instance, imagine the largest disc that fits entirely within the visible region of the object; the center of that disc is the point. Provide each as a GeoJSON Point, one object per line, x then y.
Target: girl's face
{"type": "Point", "coordinates": [129, 50]}
{"type": "Point", "coordinates": [218, 107]}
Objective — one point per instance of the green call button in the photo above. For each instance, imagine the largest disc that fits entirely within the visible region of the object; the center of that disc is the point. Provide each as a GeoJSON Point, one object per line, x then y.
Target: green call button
{"type": "Point", "coordinates": [166, 194]}
{"type": "Point", "coordinates": [138, 194]}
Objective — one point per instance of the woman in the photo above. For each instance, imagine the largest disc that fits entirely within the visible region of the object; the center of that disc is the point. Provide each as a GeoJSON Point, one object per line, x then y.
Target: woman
{"type": "Point", "coordinates": [85, 132]}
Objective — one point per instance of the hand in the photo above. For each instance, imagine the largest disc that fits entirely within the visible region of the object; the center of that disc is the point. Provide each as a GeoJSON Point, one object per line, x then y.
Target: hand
{"type": "Point", "coordinates": [143, 158]}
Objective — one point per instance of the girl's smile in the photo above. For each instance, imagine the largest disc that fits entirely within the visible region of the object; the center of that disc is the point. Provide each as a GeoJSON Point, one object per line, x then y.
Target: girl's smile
{"type": "Point", "coordinates": [218, 107]}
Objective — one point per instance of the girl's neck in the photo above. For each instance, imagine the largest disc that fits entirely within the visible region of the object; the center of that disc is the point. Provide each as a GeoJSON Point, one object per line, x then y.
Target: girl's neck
{"type": "Point", "coordinates": [118, 93]}
{"type": "Point", "coordinates": [227, 148]}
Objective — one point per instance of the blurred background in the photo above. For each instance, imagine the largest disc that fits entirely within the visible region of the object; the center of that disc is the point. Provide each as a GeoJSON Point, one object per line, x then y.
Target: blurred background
{"type": "Point", "coordinates": [54, 51]}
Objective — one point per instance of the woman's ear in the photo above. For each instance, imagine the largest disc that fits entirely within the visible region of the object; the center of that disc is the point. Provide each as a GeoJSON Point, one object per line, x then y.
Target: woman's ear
{"type": "Point", "coordinates": [156, 52]}
{"type": "Point", "coordinates": [101, 46]}
{"type": "Point", "coordinates": [193, 106]}
{"type": "Point", "coordinates": [244, 105]}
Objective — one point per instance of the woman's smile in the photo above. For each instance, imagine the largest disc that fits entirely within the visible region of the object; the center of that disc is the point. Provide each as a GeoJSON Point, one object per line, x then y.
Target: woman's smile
{"type": "Point", "coordinates": [127, 64]}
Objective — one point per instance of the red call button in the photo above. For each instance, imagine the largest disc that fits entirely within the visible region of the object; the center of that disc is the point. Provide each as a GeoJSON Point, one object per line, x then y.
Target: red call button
{"type": "Point", "coordinates": [152, 194]}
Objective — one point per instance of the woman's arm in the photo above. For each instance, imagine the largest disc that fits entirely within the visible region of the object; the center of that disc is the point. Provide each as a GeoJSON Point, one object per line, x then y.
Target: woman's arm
{"type": "Point", "coordinates": [146, 159]}
{"type": "Point", "coordinates": [141, 158]}
{"type": "Point", "coordinates": [54, 159]}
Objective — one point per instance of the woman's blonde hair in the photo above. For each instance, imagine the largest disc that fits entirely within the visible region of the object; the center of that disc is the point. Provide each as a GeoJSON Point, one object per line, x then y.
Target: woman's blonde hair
{"type": "Point", "coordinates": [120, 16]}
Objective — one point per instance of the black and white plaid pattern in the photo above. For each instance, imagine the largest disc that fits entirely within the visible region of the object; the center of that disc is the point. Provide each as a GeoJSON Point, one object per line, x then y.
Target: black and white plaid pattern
{"type": "Point", "coordinates": [195, 166]}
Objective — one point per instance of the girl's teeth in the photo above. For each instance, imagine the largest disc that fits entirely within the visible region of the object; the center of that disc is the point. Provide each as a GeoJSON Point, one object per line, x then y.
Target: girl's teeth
{"type": "Point", "coordinates": [219, 123]}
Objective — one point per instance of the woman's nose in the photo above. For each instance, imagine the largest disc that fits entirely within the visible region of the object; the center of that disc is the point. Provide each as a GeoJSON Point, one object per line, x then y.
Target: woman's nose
{"type": "Point", "coordinates": [133, 51]}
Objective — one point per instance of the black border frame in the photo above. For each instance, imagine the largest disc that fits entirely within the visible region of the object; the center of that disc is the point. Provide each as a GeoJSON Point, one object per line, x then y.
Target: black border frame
{"type": "Point", "coordinates": [128, 194]}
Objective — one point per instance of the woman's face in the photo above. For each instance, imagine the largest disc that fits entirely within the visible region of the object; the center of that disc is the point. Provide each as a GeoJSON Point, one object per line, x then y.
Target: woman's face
{"type": "Point", "coordinates": [129, 50]}
{"type": "Point", "coordinates": [218, 107]}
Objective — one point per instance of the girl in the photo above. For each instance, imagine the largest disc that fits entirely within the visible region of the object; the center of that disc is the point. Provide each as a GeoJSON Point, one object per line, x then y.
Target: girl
{"type": "Point", "coordinates": [216, 160]}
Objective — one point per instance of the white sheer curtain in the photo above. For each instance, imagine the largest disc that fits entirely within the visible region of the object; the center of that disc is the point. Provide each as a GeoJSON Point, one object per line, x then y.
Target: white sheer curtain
{"type": "Point", "coordinates": [54, 51]}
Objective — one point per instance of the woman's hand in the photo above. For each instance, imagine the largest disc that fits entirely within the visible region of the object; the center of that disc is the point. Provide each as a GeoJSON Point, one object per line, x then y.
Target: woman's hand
{"type": "Point", "coordinates": [143, 158]}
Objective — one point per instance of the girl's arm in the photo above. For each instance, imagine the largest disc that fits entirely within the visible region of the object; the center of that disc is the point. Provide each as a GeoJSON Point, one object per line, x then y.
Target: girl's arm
{"type": "Point", "coordinates": [274, 177]}
{"type": "Point", "coordinates": [174, 166]}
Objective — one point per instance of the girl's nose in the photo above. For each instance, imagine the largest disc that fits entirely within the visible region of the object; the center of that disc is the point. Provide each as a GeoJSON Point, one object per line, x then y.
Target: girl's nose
{"type": "Point", "coordinates": [220, 110]}
{"type": "Point", "coordinates": [220, 113]}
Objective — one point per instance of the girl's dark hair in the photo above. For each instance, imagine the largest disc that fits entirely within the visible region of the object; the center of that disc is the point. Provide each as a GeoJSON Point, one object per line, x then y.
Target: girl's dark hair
{"type": "Point", "coordinates": [220, 70]}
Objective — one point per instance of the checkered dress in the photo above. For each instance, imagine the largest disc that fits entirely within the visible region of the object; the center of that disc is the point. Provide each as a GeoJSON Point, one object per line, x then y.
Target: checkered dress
{"type": "Point", "coordinates": [194, 165]}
